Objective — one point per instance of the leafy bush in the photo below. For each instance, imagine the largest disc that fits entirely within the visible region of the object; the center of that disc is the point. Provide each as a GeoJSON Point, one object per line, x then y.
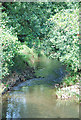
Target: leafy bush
{"type": "Point", "coordinates": [28, 55]}
{"type": "Point", "coordinates": [9, 44]}
{"type": "Point", "coordinates": [70, 80]}
{"type": "Point", "coordinates": [10, 47]}
{"type": "Point", "coordinates": [28, 19]}
{"type": "Point", "coordinates": [63, 39]}
{"type": "Point", "coordinates": [49, 27]}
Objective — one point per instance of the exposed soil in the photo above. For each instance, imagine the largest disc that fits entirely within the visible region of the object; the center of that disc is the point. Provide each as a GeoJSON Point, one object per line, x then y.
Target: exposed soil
{"type": "Point", "coordinates": [15, 78]}
{"type": "Point", "coordinates": [63, 93]}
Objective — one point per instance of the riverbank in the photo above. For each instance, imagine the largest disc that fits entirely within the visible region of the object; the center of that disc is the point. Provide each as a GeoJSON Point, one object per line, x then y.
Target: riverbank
{"type": "Point", "coordinates": [69, 91]}
{"type": "Point", "coordinates": [15, 78]}
{"type": "Point", "coordinates": [63, 91]}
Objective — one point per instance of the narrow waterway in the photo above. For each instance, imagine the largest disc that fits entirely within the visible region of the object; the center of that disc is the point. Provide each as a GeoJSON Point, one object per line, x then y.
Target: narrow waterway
{"type": "Point", "coordinates": [37, 101]}
{"type": "Point", "coordinates": [36, 98]}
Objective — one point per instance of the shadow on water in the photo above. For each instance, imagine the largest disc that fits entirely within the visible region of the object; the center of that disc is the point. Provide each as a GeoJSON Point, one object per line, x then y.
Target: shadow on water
{"type": "Point", "coordinates": [51, 70]}
{"type": "Point", "coordinates": [36, 97]}
{"type": "Point", "coordinates": [48, 72]}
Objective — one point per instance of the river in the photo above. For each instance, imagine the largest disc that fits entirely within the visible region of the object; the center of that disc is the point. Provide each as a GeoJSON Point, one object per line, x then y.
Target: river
{"type": "Point", "coordinates": [36, 98]}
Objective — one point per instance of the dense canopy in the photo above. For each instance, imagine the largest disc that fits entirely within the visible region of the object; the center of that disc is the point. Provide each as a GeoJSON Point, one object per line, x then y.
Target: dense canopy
{"type": "Point", "coordinates": [50, 28]}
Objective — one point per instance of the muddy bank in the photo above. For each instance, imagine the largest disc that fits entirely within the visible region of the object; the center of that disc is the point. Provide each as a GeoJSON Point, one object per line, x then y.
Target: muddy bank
{"type": "Point", "coordinates": [51, 70]}
{"type": "Point", "coordinates": [16, 78]}
{"type": "Point", "coordinates": [54, 76]}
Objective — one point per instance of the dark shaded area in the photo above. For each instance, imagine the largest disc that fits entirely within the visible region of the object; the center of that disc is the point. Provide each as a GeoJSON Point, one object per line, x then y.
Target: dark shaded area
{"type": "Point", "coordinates": [21, 37]}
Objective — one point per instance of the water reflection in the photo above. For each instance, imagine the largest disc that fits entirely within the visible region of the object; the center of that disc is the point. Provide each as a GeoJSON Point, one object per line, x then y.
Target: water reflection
{"type": "Point", "coordinates": [36, 98]}
{"type": "Point", "coordinates": [38, 102]}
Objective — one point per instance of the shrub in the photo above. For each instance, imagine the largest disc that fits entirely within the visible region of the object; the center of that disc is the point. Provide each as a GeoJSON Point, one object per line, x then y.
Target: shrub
{"type": "Point", "coordinates": [28, 55]}
{"type": "Point", "coordinates": [63, 38]}
{"type": "Point", "coordinates": [10, 47]}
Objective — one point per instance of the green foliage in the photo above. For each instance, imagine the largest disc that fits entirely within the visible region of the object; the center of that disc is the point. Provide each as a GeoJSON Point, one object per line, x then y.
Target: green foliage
{"type": "Point", "coordinates": [29, 19]}
{"type": "Point", "coordinates": [50, 28]}
{"type": "Point", "coordinates": [10, 47]}
{"type": "Point", "coordinates": [71, 80]}
{"type": "Point", "coordinates": [63, 39]}
{"type": "Point", "coordinates": [28, 55]}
